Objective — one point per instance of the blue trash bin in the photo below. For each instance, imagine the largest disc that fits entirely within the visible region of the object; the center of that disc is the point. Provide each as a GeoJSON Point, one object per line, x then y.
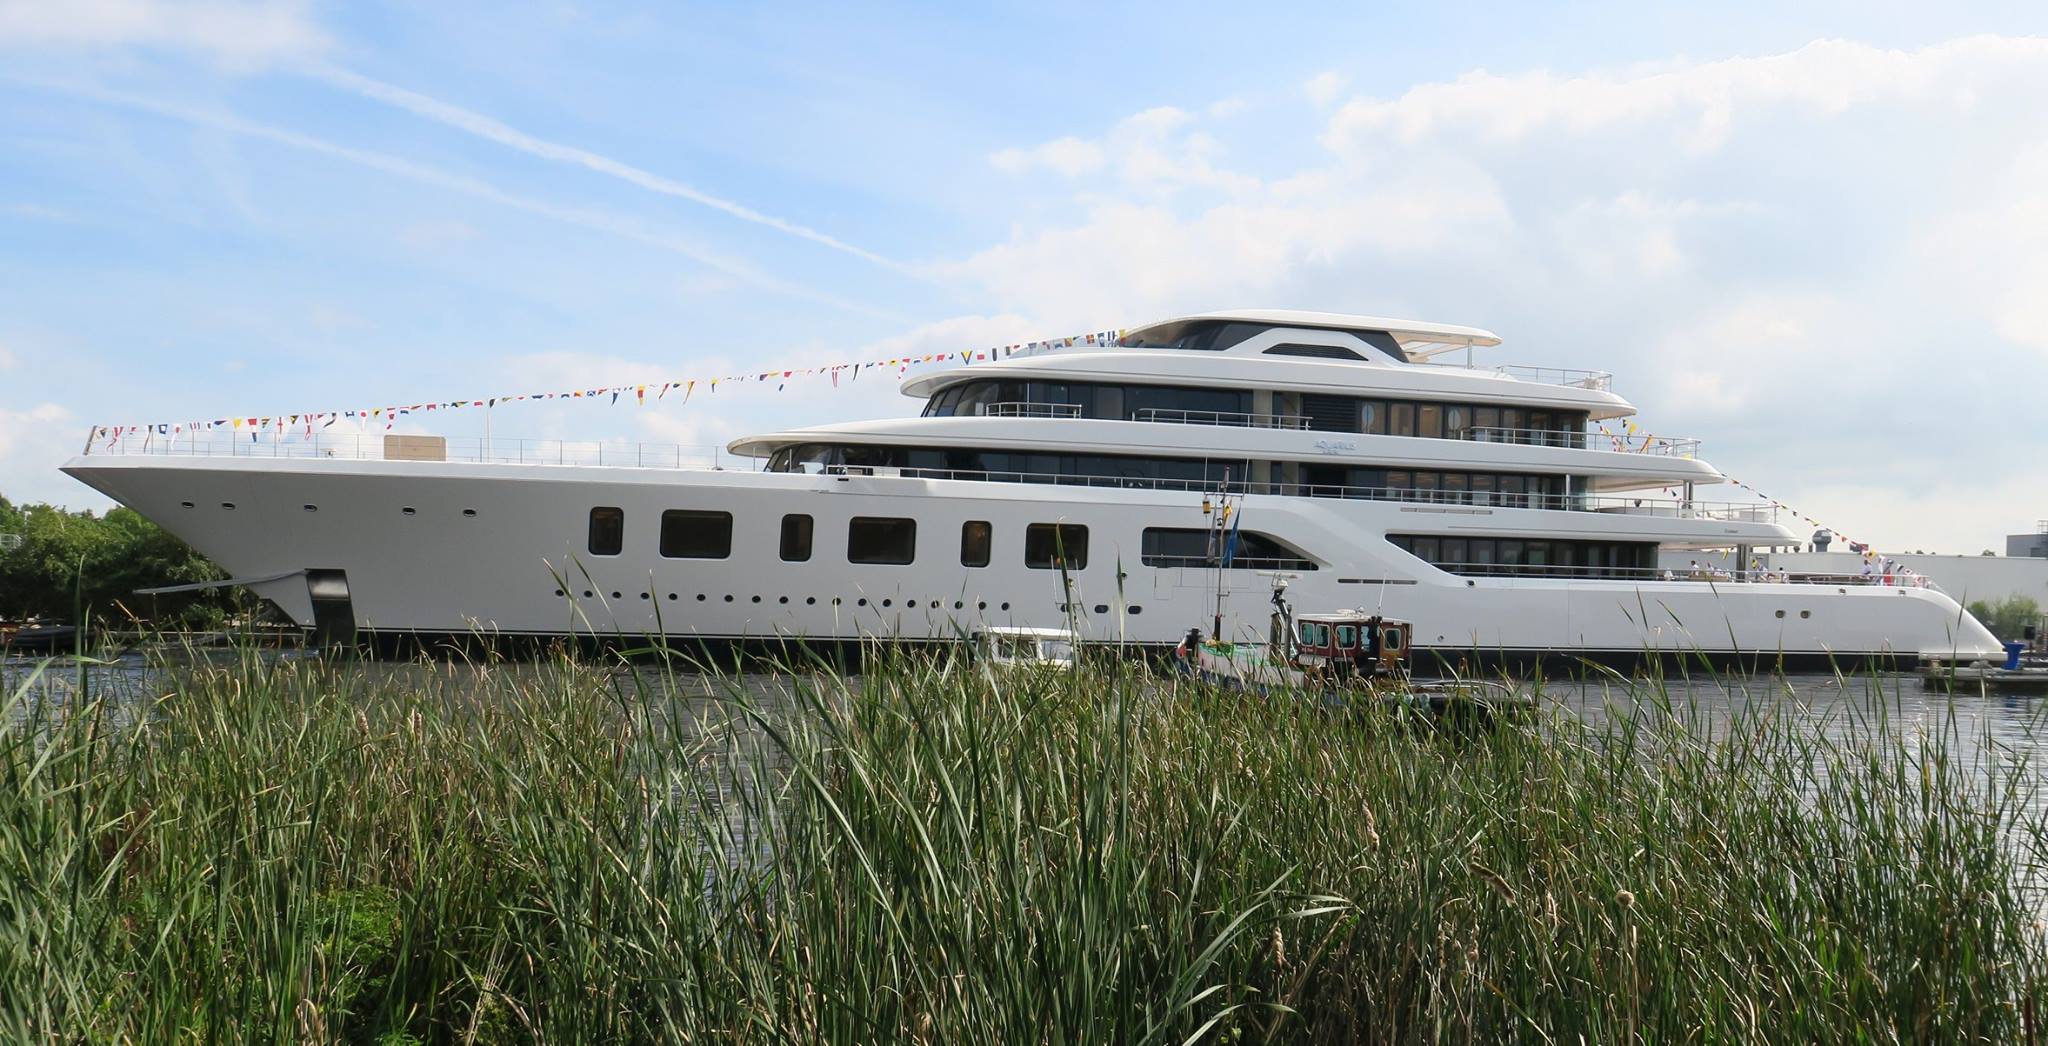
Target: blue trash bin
{"type": "Point", "coordinates": [2012, 655]}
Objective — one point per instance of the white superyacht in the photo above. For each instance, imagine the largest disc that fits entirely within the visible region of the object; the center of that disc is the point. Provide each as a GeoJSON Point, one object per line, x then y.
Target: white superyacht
{"type": "Point", "coordinates": [1369, 462]}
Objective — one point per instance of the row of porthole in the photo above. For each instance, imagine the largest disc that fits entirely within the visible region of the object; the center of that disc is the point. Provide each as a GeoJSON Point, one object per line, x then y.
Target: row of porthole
{"type": "Point", "coordinates": [1803, 613]}
{"type": "Point", "coordinates": [407, 510]}
{"type": "Point", "coordinates": [935, 604]}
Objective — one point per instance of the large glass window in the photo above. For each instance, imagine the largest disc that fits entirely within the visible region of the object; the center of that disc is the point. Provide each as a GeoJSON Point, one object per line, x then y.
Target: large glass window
{"type": "Point", "coordinates": [692, 534]}
{"type": "Point", "coordinates": [1429, 420]}
{"type": "Point", "coordinates": [881, 539]}
{"type": "Point", "coordinates": [975, 538]}
{"type": "Point", "coordinates": [1372, 417]}
{"type": "Point", "coordinates": [607, 531]}
{"type": "Point", "coordinates": [796, 538]}
{"type": "Point", "coordinates": [1050, 546]}
{"type": "Point", "coordinates": [1401, 419]}
{"type": "Point", "coordinates": [1195, 547]}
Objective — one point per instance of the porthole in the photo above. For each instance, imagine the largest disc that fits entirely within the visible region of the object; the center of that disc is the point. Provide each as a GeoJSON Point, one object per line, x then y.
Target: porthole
{"type": "Point", "coordinates": [558, 592]}
{"type": "Point", "coordinates": [728, 597]}
{"type": "Point", "coordinates": [700, 597]}
{"type": "Point", "coordinates": [187, 504]}
{"type": "Point", "coordinates": [310, 508]}
{"type": "Point", "coordinates": [912, 604]}
{"type": "Point", "coordinates": [229, 505]}
{"type": "Point", "coordinates": [470, 512]}
{"type": "Point", "coordinates": [957, 604]}
{"type": "Point", "coordinates": [757, 599]}
{"type": "Point", "coordinates": [410, 511]}
{"type": "Point", "coordinates": [835, 601]}
{"type": "Point", "coordinates": [615, 595]}
{"type": "Point", "coordinates": [586, 593]}
{"type": "Point", "coordinates": [782, 599]}
{"type": "Point", "coordinates": [862, 602]}
{"type": "Point", "coordinates": [1781, 613]}
{"type": "Point", "coordinates": [810, 601]}
{"type": "Point", "coordinates": [1006, 606]}
{"type": "Point", "coordinates": [1102, 608]}
{"type": "Point", "coordinates": [671, 597]}
{"type": "Point", "coordinates": [644, 595]}
{"type": "Point", "coordinates": [981, 606]}
{"type": "Point", "coordinates": [887, 602]}
{"type": "Point", "coordinates": [1806, 613]}
{"type": "Point", "coordinates": [1136, 609]}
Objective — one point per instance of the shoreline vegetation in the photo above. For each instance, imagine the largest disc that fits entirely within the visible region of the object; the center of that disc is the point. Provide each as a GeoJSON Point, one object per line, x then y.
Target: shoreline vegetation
{"type": "Point", "coordinates": [315, 849]}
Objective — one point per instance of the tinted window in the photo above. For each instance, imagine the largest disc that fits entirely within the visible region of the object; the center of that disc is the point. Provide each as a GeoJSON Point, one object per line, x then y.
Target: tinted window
{"type": "Point", "coordinates": [607, 531]}
{"type": "Point", "coordinates": [796, 538]}
{"type": "Point", "coordinates": [878, 539]}
{"type": "Point", "coordinates": [975, 537]}
{"type": "Point", "coordinates": [687, 534]}
{"type": "Point", "coordinates": [1051, 545]}
{"type": "Point", "coordinates": [1321, 352]}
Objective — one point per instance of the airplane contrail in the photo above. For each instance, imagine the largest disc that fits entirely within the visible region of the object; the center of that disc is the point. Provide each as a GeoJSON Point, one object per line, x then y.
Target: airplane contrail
{"type": "Point", "coordinates": [493, 130]}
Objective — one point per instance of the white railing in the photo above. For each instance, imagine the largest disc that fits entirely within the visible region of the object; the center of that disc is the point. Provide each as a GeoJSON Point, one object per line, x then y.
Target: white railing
{"type": "Point", "coordinates": [1231, 419]}
{"type": "Point", "coordinates": [1015, 409]}
{"type": "Point", "coordinates": [1597, 380]}
{"type": "Point", "coordinates": [396, 447]}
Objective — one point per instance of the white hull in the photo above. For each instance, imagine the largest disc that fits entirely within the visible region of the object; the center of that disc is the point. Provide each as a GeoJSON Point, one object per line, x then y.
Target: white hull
{"type": "Point", "coordinates": [438, 570]}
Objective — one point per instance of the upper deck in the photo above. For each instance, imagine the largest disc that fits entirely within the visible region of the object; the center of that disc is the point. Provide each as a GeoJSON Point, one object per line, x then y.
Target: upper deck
{"type": "Point", "coordinates": [1305, 353]}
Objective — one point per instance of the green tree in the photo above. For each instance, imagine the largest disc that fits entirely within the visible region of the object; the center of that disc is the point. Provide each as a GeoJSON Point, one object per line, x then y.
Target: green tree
{"type": "Point", "coordinates": [2007, 618]}
{"type": "Point", "coordinates": [73, 561]}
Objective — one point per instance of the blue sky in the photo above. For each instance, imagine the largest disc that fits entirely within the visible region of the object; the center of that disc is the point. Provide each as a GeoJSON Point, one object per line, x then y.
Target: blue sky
{"type": "Point", "coordinates": [1814, 238]}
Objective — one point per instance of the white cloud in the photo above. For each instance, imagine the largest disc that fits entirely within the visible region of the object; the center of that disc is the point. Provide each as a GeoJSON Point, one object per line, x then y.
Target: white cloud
{"type": "Point", "coordinates": [33, 442]}
{"type": "Point", "coordinates": [236, 32]}
{"type": "Point", "coordinates": [1812, 260]}
{"type": "Point", "coordinates": [1698, 100]}
{"type": "Point", "coordinates": [1324, 87]}
{"type": "Point", "coordinates": [1225, 108]}
{"type": "Point", "coordinates": [1157, 148]}
{"type": "Point", "coordinates": [1069, 156]}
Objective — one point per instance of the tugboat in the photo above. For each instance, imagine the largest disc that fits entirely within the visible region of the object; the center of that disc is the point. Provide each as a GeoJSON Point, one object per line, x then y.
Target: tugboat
{"type": "Point", "coordinates": [1349, 657]}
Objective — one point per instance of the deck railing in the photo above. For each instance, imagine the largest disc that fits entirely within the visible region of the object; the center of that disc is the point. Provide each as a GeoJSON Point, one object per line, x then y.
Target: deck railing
{"type": "Point", "coordinates": [1597, 380]}
{"type": "Point", "coordinates": [398, 447]}
{"type": "Point", "coordinates": [1015, 409]}
{"type": "Point", "coordinates": [1671, 508]}
{"type": "Point", "coordinates": [1232, 419]}
{"type": "Point", "coordinates": [1703, 574]}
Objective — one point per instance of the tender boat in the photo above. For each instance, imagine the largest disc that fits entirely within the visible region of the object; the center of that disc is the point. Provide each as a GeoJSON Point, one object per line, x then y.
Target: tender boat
{"type": "Point", "coordinates": [1010, 647]}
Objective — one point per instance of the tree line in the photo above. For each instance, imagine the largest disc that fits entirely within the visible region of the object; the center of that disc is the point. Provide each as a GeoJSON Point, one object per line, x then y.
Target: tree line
{"type": "Point", "coordinates": [67, 563]}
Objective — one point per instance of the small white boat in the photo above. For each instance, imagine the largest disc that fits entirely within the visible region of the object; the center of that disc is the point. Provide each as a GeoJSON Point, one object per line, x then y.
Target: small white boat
{"type": "Point", "coordinates": [1984, 677]}
{"type": "Point", "coordinates": [1015, 647]}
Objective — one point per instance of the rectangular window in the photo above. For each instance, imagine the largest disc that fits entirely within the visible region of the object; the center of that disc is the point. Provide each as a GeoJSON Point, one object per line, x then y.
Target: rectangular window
{"type": "Point", "coordinates": [1429, 420]}
{"type": "Point", "coordinates": [796, 538]}
{"type": "Point", "coordinates": [881, 539]}
{"type": "Point", "coordinates": [607, 531]}
{"type": "Point", "coordinates": [1426, 550]}
{"type": "Point", "coordinates": [1399, 479]}
{"type": "Point", "coordinates": [1401, 419]}
{"type": "Point", "coordinates": [1488, 420]}
{"type": "Point", "coordinates": [975, 538]}
{"type": "Point", "coordinates": [1454, 552]}
{"type": "Point", "coordinates": [689, 534]}
{"type": "Point", "coordinates": [1457, 421]}
{"type": "Point", "coordinates": [1372, 417]}
{"type": "Point", "coordinates": [1049, 546]}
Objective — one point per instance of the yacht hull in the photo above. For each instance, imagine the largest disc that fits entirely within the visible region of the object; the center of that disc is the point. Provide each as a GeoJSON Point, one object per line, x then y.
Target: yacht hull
{"type": "Point", "coordinates": [446, 549]}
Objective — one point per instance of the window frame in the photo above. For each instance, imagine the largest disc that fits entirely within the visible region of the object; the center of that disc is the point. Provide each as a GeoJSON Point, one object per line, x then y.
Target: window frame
{"type": "Point", "coordinates": [665, 547]}
{"type": "Point", "coordinates": [1062, 547]}
{"type": "Point", "coordinates": [986, 538]}
{"type": "Point", "coordinates": [809, 528]}
{"type": "Point", "coordinates": [906, 524]}
{"type": "Point", "coordinates": [616, 525]}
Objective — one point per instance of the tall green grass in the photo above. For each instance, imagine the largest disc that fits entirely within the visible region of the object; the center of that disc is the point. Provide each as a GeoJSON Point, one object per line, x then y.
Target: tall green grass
{"type": "Point", "coordinates": [293, 850]}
